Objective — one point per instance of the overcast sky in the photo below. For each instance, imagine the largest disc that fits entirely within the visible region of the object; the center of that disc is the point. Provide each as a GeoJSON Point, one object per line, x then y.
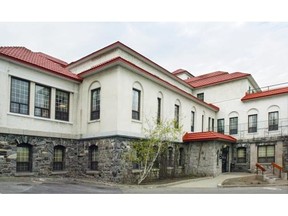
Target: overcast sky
{"type": "Point", "coordinates": [258, 48]}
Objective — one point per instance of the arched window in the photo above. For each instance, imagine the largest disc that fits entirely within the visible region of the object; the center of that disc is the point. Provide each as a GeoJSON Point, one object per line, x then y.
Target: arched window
{"type": "Point", "coordinates": [93, 157]}
{"type": "Point", "coordinates": [95, 91]}
{"type": "Point", "coordinates": [137, 94]}
{"type": "Point", "coordinates": [58, 162]}
{"type": "Point", "coordinates": [24, 158]}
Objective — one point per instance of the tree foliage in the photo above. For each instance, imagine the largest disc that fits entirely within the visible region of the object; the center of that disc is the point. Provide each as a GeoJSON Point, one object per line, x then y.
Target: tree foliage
{"type": "Point", "coordinates": [157, 138]}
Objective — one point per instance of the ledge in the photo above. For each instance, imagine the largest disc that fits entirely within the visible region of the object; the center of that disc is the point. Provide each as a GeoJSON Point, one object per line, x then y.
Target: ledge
{"type": "Point", "coordinates": [59, 172]}
{"type": "Point", "coordinates": [92, 172]}
{"type": "Point", "coordinates": [136, 171]}
{"type": "Point", "coordinates": [23, 174]}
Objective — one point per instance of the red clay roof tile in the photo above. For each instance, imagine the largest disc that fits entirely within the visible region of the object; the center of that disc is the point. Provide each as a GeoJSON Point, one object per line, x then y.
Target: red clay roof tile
{"type": "Point", "coordinates": [207, 136]}
{"type": "Point", "coordinates": [214, 78]}
{"type": "Point", "coordinates": [39, 60]}
{"type": "Point", "coordinates": [268, 93]}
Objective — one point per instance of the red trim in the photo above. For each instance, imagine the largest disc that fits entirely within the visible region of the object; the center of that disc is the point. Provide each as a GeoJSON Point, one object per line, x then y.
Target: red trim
{"type": "Point", "coordinates": [207, 136]}
{"type": "Point", "coordinates": [121, 60]}
{"type": "Point", "coordinates": [43, 68]}
{"type": "Point", "coordinates": [119, 44]}
{"type": "Point", "coordinates": [269, 93]}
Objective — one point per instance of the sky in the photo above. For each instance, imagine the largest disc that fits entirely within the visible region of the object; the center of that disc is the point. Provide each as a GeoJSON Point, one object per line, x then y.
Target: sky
{"type": "Point", "coordinates": [198, 36]}
{"type": "Point", "coordinates": [258, 48]}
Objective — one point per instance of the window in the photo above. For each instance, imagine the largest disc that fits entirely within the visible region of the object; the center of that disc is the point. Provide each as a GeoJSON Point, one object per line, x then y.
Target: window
{"type": "Point", "coordinates": [176, 116]}
{"type": "Point", "coordinates": [24, 158]}
{"type": "Point", "coordinates": [170, 157]}
{"type": "Point", "coordinates": [95, 104]}
{"type": "Point", "coordinates": [93, 157]}
{"type": "Point", "coordinates": [19, 98]}
{"type": "Point", "coordinates": [241, 155]}
{"type": "Point", "coordinates": [58, 163]}
{"type": "Point", "coordinates": [158, 110]}
{"type": "Point", "coordinates": [157, 161]}
{"type": "Point", "coordinates": [202, 123]}
{"type": "Point", "coordinates": [213, 124]}
{"type": "Point", "coordinates": [192, 121]}
{"type": "Point", "coordinates": [181, 157]}
{"type": "Point", "coordinates": [266, 154]}
{"type": "Point", "coordinates": [209, 123]}
{"type": "Point", "coordinates": [273, 119]}
{"type": "Point", "coordinates": [220, 126]}
{"type": "Point", "coordinates": [252, 123]}
{"type": "Point", "coordinates": [136, 104]}
{"type": "Point", "coordinates": [42, 101]}
{"type": "Point", "coordinates": [62, 105]}
{"type": "Point", "coordinates": [233, 126]}
{"type": "Point", "coordinates": [200, 96]}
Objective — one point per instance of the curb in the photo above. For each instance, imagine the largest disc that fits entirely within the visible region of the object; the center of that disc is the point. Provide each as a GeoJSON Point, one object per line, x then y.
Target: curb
{"type": "Point", "coordinates": [252, 185]}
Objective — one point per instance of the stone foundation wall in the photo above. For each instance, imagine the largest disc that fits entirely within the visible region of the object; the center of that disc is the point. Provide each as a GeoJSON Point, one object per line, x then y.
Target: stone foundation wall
{"type": "Point", "coordinates": [42, 155]}
{"type": "Point", "coordinates": [202, 160]}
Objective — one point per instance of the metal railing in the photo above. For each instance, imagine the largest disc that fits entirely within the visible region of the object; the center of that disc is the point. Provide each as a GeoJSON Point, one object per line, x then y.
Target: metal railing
{"type": "Point", "coordinates": [267, 88]}
{"type": "Point", "coordinates": [261, 131]}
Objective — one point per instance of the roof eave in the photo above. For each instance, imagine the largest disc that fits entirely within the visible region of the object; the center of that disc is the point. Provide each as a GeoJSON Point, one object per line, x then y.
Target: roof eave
{"type": "Point", "coordinates": [15, 60]}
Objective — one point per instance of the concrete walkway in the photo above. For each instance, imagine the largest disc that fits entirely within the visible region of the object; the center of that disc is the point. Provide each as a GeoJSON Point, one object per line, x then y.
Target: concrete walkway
{"type": "Point", "coordinates": [208, 182]}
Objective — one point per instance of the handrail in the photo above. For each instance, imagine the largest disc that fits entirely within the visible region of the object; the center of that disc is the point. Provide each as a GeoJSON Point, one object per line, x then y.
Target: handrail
{"type": "Point", "coordinates": [259, 166]}
{"type": "Point", "coordinates": [274, 165]}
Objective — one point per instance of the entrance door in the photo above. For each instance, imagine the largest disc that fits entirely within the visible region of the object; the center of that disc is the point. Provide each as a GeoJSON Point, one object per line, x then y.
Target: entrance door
{"type": "Point", "coordinates": [225, 159]}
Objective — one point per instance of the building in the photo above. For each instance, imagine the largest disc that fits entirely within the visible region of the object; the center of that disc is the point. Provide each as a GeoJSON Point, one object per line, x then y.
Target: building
{"type": "Point", "coordinates": [78, 119]}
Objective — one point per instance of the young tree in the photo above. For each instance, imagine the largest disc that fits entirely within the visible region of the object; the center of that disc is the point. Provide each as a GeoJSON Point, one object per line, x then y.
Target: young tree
{"type": "Point", "coordinates": [157, 138]}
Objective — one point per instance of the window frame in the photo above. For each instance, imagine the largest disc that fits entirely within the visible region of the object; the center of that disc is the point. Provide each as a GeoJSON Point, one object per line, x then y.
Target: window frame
{"type": "Point", "coordinates": [244, 158]}
{"type": "Point", "coordinates": [200, 96]}
{"type": "Point", "coordinates": [59, 165]}
{"type": "Point", "coordinates": [252, 125]}
{"type": "Point", "coordinates": [136, 113]}
{"type": "Point", "coordinates": [95, 114]}
{"type": "Point", "coordinates": [233, 130]}
{"type": "Point", "coordinates": [93, 153]}
{"type": "Point", "coordinates": [192, 121]}
{"type": "Point", "coordinates": [62, 115]}
{"type": "Point", "coordinates": [18, 103]}
{"type": "Point", "coordinates": [222, 126]}
{"type": "Point", "coordinates": [25, 166]}
{"type": "Point", "coordinates": [273, 126]}
{"type": "Point", "coordinates": [159, 106]}
{"type": "Point", "coordinates": [176, 115]}
{"type": "Point", "coordinates": [42, 108]}
{"type": "Point", "coordinates": [265, 159]}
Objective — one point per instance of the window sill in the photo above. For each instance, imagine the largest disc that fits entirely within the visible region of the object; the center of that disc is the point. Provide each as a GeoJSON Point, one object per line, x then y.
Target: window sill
{"type": "Point", "coordinates": [93, 121]}
{"type": "Point", "coordinates": [136, 121]}
{"type": "Point", "coordinates": [23, 174]}
{"type": "Point", "coordinates": [59, 172]}
{"type": "Point", "coordinates": [39, 118]}
{"type": "Point", "coordinates": [92, 172]}
{"type": "Point", "coordinates": [136, 171]}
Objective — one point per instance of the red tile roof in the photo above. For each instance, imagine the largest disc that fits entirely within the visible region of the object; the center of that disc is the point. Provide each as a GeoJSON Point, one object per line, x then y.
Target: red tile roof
{"type": "Point", "coordinates": [268, 93]}
{"type": "Point", "coordinates": [179, 71]}
{"type": "Point", "coordinates": [214, 78]}
{"type": "Point", "coordinates": [207, 136]}
{"type": "Point", "coordinates": [39, 60]}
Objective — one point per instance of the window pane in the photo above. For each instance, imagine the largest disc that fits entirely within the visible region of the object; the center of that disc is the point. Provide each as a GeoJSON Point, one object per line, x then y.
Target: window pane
{"type": "Point", "coordinates": [95, 104]}
{"type": "Point", "coordinates": [233, 125]}
{"type": "Point", "coordinates": [270, 151]}
{"type": "Point", "coordinates": [241, 153]}
{"type": "Point", "coordinates": [42, 101]}
{"type": "Point", "coordinates": [19, 96]}
{"type": "Point", "coordinates": [136, 104]}
{"type": "Point", "coordinates": [58, 155]}
{"type": "Point", "coordinates": [62, 105]}
{"type": "Point", "coordinates": [262, 151]}
{"type": "Point", "coordinates": [22, 154]}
